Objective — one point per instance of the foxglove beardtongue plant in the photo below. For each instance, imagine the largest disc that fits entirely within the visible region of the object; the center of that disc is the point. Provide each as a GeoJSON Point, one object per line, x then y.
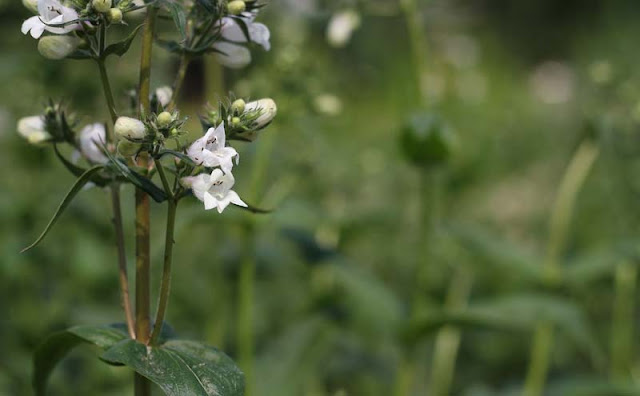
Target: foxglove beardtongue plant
{"type": "Point", "coordinates": [135, 147]}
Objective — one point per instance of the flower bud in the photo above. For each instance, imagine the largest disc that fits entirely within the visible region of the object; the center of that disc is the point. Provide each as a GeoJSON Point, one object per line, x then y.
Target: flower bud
{"type": "Point", "coordinates": [164, 119]}
{"type": "Point", "coordinates": [236, 7]}
{"type": "Point", "coordinates": [115, 15]}
{"type": "Point", "coordinates": [236, 122]}
{"type": "Point", "coordinates": [31, 5]}
{"type": "Point", "coordinates": [101, 5]}
{"type": "Point", "coordinates": [32, 129]}
{"type": "Point", "coordinates": [58, 47]}
{"type": "Point", "coordinates": [128, 149]}
{"type": "Point", "coordinates": [268, 111]}
{"type": "Point", "coordinates": [130, 128]}
{"type": "Point", "coordinates": [427, 141]}
{"type": "Point", "coordinates": [237, 107]}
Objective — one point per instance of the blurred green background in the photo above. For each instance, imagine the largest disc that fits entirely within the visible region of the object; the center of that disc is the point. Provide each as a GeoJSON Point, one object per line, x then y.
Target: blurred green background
{"type": "Point", "coordinates": [353, 285]}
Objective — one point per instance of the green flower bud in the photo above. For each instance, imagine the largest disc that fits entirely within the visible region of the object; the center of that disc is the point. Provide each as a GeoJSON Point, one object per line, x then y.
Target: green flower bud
{"type": "Point", "coordinates": [115, 15]}
{"type": "Point", "coordinates": [236, 122]}
{"type": "Point", "coordinates": [164, 119]}
{"type": "Point", "coordinates": [58, 47]}
{"type": "Point", "coordinates": [174, 132]}
{"type": "Point", "coordinates": [130, 128]}
{"type": "Point", "coordinates": [237, 107]}
{"type": "Point", "coordinates": [427, 141]}
{"type": "Point", "coordinates": [31, 5]}
{"type": "Point", "coordinates": [102, 6]}
{"type": "Point", "coordinates": [127, 148]}
{"type": "Point", "coordinates": [236, 7]}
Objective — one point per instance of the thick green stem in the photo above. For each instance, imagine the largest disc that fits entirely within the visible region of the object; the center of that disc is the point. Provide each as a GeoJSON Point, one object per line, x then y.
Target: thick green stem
{"type": "Point", "coordinates": [143, 224]}
{"type": "Point", "coordinates": [245, 312]}
{"type": "Point", "coordinates": [165, 285]}
{"type": "Point", "coordinates": [573, 180]}
{"type": "Point", "coordinates": [622, 325]}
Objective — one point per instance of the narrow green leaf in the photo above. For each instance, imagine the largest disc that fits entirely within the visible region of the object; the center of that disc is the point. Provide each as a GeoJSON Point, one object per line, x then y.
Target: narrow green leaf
{"type": "Point", "coordinates": [177, 154]}
{"type": "Point", "coordinates": [74, 169]}
{"type": "Point", "coordinates": [77, 186]}
{"type": "Point", "coordinates": [137, 179]}
{"type": "Point", "coordinates": [58, 345]}
{"type": "Point", "coordinates": [120, 48]}
{"type": "Point", "coordinates": [179, 18]}
{"type": "Point", "coordinates": [181, 367]}
{"type": "Point", "coordinates": [253, 209]}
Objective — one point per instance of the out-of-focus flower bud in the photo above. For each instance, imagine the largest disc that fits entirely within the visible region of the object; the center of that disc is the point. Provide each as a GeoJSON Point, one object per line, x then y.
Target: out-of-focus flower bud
{"type": "Point", "coordinates": [58, 47]}
{"type": "Point", "coordinates": [268, 111]}
{"type": "Point", "coordinates": [164, 95]}
{"type": "Point", "coordinates": [115, 15]}
{"type": "Point", "coordinates": [101, 5]}
{"type": "Point", "coordinates": [31, 5]}
{"type": "Point", "coordinates": [164, 119]}
{"type": "Point", "coordinates": [130, 128]}
{"type": "Point", "coordinates": [341, 27]}
{"type": "Point", "coordinates": [427, 141]}
{"type": "Point", "coordinates": [127, 148]}
{"type": "Point", "coordinates": [236, 122]}
{"type": "Point", "coordinates": [238, 106]}
{"type": "Point", "coordinates": [236, 7]}
{"type": "Point", "coordinates": [33, 129]}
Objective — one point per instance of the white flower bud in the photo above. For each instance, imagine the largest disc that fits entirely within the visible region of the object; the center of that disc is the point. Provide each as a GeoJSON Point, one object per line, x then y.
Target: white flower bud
{"type": "Point", "coordinates": [58, 47]}
{"type": "Point", "coordinates": [115, 15]}
{"type": "Point", "coordinates": [129, 128]}
{"type": "Point", "coordinates": [164, 95]}
{"type": "Point", "coordinates": [268, 111]}
{"type": "Point", "coordinates": [238, 106]}
{"type": "Point", "coordinates": [236, 7]}
{"type": "Point", "coordinates": [101, 5]}
{"type": "Point", "coordinates": [165, 118]}
{"type": "Point", "coordinates": [31, 5]}
{"type": "Point", "coordinates": [32, 129]}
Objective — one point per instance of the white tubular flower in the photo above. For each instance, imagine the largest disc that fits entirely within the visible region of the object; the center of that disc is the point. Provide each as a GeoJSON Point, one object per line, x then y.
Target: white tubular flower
{"type": "Point", "coordinates": [51, 13]}
{"type": "Point", "coordinates": [91, 139]}
{"type": "Point", "coordinates": [232, 55]}
{"type": "Point", "coordinates": [341, 27]}
{"type": "Point", "coordinates": [164, 95]}
{"type": "Point", "coordinates": [31, 5]}
{"type": "Point", "coordinates": [58, 47]}
{"type": "Point", "coordinates": [210, 150]}
{"type": "Point", "coordinates": [258, 32]}
{"type": "Point", "coordinates": [268, 111]}
{"type": "Point", "coordinates": [214, 190]}
{"type": "Point", "coordinates": [129, 128]}
{"type": "Point", "coordinates": [32, 129]}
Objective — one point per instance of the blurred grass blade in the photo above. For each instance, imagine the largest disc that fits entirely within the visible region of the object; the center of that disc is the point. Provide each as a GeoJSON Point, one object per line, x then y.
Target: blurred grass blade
{"type": "Point", "coordinates": [77, 186]}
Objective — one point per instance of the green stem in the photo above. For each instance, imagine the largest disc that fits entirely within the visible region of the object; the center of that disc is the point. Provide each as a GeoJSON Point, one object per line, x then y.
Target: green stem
{"type": "Point", "coordinates": [415, 28]}
{"type": "Point", "coordinates": [622, 325]}
{"type": "Point", "coordinates": [143, 223]}
{"type": "Point", "coordinates": [245, 312]}
{"type": "Point", "coordinates": [185, 59]}
{"type": "Point", "coordinates": [165, 285]}
{"type": "Point", "coordinates": [573, 180]}
{"type": "Point", "coordinates": [106, 85]}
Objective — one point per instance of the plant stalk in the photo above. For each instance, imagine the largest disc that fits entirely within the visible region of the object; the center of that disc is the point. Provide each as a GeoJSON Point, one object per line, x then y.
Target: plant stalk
{"type": "Point", "coordinates": [143, 223]}
{"type": "Point", "coordinates": [185, 59]}
{"type": "Point", "coordinates": [572, 182]}
{"type": "Point", "coordinates": [622, 326]}
{"type": "Point", "coordinates": [418, 44]}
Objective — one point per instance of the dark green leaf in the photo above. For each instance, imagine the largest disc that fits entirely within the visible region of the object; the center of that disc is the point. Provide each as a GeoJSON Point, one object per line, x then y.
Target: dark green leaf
{"type": "Point", "coordinates": [56, 347]}
{"type": "Point", "coordinates": [177, 154]}
{"type": "Point", "coordinates": [81, 54]}
{"type": "Point", "coordinates": [121, 47]}
{"type": "Point", "coordinates": [253, 209]}
{"type": "Point", "coordinates": [243, 27]}
{"type": "Point", "coordinates": [137, 179]}
{"type": "Point", "coordinates": [74, 169]}
{"type": "Point", "coordinates": [179, 18]}
{"type": "Point", "coordinates": [181, 367]}
{"type": "Point", "coordinates": [77, 186]}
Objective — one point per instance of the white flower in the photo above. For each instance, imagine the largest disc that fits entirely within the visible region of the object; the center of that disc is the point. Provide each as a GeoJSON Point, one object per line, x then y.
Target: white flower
{"type": "Point", "coordinates": [164, 95]}
{"type": "Point", "coordinates": [91, 139]}
{"type": "Point", "coordinates": [58, 47]}
{"type": "Point", "coordinates": [232, 55]}
{"type": "Point", "coordinates": [129, 128]}
{"type": "Point", "coordinates": [51, 13]}
{"type": "Point", "coordinates": [268, 111]}
{"type": "Point", "coordinates": [210, 150]}
{"type": "Point", "coordinates": [32, 129]}
{"type": "Point", "coordinates": [214, 190]}
{"type": "Point", "coordinates": [258, 32]}
{"type": "Point", "coordinates": [341, 27]}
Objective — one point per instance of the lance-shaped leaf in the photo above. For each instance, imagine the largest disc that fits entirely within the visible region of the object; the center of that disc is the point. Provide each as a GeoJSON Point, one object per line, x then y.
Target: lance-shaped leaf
{"type": "Point", "coordinates": [253, 209]}
{"type": "Point", "coordinates": [179, 17]}
{"type": "Point", "coordinates": [181, 367]}
{"type": "Point", "coordinates": [58, 345]}
{"type": "Point", "coordinates": [77, 186]}
{"type": "Point", "coordinates": [135, 178]}
{"type": "Point", "coordinates": [120, 48]}
{"type": "Point", "coordinates": [177, 154]}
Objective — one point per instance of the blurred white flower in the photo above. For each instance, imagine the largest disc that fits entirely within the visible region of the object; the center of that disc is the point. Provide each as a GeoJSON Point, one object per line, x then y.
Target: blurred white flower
{"type": "Point", "coordinates": [230, 52]}
{"type": "Point", "coordinates": [58, 47]}
{"type": "Point", "coordinates": [214, 189]}
{"type": "Point", "coordinates": [341, 27]}
{"type": "Point", "coordinates": [552, 82]}
{"type": "Point", "coordinates": [52, 12]}
{"type": "Point", "coordinates": [232, 55]}
{"type": "Point", "coordinates": [32, 129]}
{"type": "Point", "coordinates": [92, 137]}
{"type": "Point", "coordinates": [328, 104]}
{"type": "Point", "coordinates": [210, 150]}
{"type": "Point", "coordinates": [164, 95]}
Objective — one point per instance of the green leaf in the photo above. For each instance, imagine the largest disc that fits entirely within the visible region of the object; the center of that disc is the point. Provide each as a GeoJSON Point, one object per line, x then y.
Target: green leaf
{"type": "Point", "coordinates": [181, 367]}
{"type": "Point", "coordinates": [177, 154]}
{"type": "Point", "coordinates": [56, 347]}
{"type": "Point", "coordinates": [137, 179]}
{"type": "Point", "coordinates": [253, 209]}
{"type": "Point", "coordinates": [120, 48]}
{"type": "Point", "coordinates": [179, 18]}
{"type": "Point", "coordinates": [77, 186]}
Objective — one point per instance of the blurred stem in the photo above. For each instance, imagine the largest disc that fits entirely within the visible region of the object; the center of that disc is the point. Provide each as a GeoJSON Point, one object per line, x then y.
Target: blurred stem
{"type": "Point", "coordinates": [573, 180]}
{"type": "Point", "coordinates": [622, 324]}
{"type": "Point", "coordinates": [404, 377]}
{"type": "Point", "coordinates": [185, 59]}
{"type": "Point", "coordinates": [106, 86]}
{"type": "Point", "coordinates": [415, 28]}
{"type": "Point", "coordinates": [165, 285]}
{"type": "Point", "coordinates": [448, 338]}
{"type": "Point", "coordinates": [143, 223]}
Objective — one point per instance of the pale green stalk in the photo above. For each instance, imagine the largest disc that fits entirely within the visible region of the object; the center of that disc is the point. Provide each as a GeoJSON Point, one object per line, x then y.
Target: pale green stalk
{"type": "Point", "coordinates": [622, 325]}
